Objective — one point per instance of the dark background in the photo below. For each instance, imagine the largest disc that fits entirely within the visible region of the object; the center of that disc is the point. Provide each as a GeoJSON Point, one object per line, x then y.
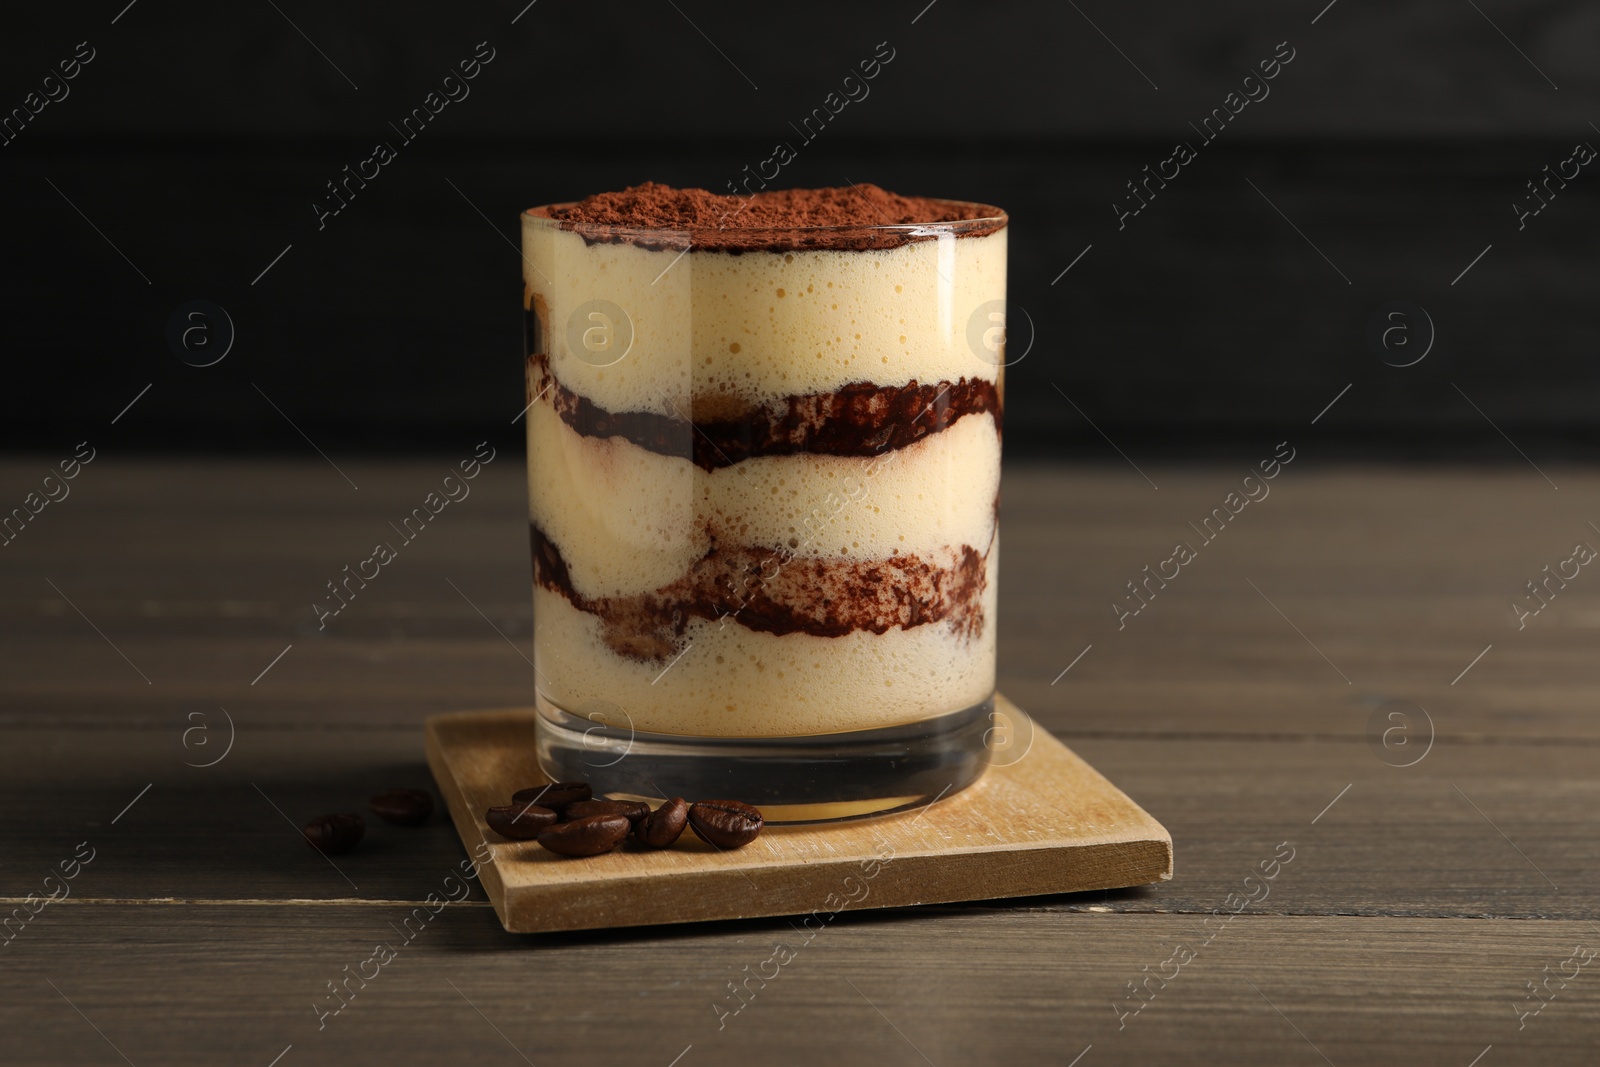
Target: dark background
{"type": "Point", "coordinates": [1397, 141]}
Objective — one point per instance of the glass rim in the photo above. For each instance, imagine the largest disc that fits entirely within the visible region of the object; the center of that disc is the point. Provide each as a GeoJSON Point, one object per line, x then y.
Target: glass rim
{"type": "Point", "coordinates": [992, 219]}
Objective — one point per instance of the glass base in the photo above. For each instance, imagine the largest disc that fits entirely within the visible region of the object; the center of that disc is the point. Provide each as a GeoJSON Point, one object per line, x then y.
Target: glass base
{"type": "Point", "coordinates": [791, 779]}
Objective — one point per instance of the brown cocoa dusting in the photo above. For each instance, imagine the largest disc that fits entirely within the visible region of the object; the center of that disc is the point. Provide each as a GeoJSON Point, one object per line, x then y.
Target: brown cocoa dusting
{"type": "Point", "coordinates": [776, 220]}
{"type": "Point", "coordinates": [773, 591]}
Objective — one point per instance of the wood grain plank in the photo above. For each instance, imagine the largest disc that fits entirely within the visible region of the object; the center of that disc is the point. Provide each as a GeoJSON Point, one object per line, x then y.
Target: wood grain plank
{"type": "Point", "coordinates": [168, 985]}
{"type": "Point", "coordinates": [1399, 841]}
{"type": "Point", "coordinates": [1209, 710]}
{"type": "Point", "coordinates": [1400, 577]}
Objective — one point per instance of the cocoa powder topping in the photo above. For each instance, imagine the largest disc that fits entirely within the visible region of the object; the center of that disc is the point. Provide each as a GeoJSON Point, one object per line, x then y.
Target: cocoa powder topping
{"type": "Point", "coordinates": [772, 220]}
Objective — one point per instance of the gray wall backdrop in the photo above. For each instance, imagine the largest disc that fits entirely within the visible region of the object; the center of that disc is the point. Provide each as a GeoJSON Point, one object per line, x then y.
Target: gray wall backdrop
{"type": "Point", "coordinates": [1385, 159]}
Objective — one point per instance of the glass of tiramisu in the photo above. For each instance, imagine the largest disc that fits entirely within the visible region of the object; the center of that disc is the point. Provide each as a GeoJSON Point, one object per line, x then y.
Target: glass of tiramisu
{"type": "Point", "coordinates": [763, 475]}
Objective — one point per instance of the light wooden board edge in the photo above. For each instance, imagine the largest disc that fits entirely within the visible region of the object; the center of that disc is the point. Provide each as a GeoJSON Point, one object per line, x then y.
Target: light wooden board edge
{"type": "Point", "coordinates": [1136, 851]}
{"type": "Point", "coordinates": [469, 826]}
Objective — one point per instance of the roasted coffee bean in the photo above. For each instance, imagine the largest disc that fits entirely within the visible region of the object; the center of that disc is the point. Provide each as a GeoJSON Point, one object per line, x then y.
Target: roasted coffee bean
{"type": "Point", "coordinates": [588, 836]}
{"type": "Point", "coordinates": [403, 807]}
{"type": "Point", "coordinates": [333, 834]}
{"type": "Point", "coordinates": [520, 822]}
{"type": "Point", "coordinates": [661, 827]}
{"type": "Point", "coordinates": [725, 823]}
{"type": "Point", "coordinates": [632, 810]}
{"type": "Point", "coordinates": [555, 796]}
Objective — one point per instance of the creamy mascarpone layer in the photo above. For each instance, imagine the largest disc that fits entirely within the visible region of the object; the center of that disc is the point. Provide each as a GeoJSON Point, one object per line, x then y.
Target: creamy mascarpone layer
{"type": "Point", "coordinates": [738, 329]}
{"type": "Point", "coordinates": [731, 681]}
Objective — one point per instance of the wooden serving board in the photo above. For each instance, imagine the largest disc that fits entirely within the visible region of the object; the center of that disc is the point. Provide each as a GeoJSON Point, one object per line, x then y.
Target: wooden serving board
{"type": "Point", "coordinates": [1046, 823]}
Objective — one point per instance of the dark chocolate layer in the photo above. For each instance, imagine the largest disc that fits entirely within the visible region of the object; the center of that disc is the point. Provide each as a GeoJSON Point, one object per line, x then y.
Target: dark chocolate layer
{"type": "Point", "coordinates": [858, 419]}
{"type": "Point", "coordinates": [778, 593]}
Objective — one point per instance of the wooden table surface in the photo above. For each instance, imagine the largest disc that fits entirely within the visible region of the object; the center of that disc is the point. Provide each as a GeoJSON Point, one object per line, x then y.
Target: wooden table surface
{"type": "Point", "coordinates": [1260, 706]}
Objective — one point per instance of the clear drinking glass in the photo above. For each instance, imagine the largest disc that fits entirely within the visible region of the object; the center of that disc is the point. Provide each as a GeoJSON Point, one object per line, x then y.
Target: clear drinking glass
{"type": "Point", "coordinates": [763, 500]}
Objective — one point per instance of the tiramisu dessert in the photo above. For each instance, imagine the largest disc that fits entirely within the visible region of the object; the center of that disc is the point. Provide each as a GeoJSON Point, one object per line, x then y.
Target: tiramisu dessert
{"type": "Point", "coordinates": [763, 458]}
